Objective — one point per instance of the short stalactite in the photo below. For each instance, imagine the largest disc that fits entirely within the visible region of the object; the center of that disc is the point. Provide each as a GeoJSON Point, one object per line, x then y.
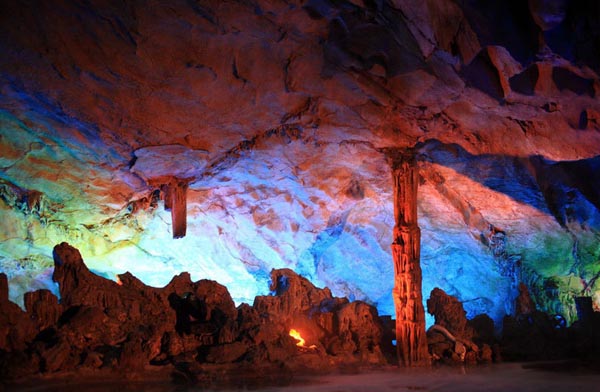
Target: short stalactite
{"type": "Point", "coordinates": [177, 192]}
{"type": "Point", "coordinates": [174, 194]}
{"type": "Point", "coordinates": [411, 340]}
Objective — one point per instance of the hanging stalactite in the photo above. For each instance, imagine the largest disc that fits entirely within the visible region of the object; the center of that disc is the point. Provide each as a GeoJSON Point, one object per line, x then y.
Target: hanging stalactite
{"type": "Point", "coordinates": [174, 193]}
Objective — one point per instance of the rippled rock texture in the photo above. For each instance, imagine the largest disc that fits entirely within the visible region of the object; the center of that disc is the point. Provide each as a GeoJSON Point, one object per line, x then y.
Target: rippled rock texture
{"type": "Point", "coordinates": [277, 116]}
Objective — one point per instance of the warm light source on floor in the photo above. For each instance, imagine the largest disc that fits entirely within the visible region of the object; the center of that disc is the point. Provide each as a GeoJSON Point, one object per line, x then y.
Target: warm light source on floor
{"type": "Point", "coordinates": [301, 342]}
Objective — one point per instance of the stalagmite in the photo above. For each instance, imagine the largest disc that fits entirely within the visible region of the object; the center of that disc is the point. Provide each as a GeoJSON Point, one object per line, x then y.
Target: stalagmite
{"type": "Point", "coordinates": [411, 341]}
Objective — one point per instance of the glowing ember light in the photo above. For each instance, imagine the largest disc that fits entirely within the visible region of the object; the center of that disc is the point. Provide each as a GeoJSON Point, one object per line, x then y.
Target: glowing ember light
{"type": "Point", "coordinates": [301, 342]}
{"type": "Point", "coordinates": [119, 282]}
{"type": "Point", "coordinates": [296, 335]}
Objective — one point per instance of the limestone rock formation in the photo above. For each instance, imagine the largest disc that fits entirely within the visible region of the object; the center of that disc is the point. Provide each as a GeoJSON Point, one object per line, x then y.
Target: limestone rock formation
{"type": "Point", "coordinates": [184, 331]}
{"type": "Point", "coordinates": [406, 256]}
{"type": "Point", "coordinates": [455, 339]}
{"type": "Point", "coordinates": [345, 330]}
{"type": "Point", "coordinates": [15, 327]}
{"type": "Point", "coordinates": [277, 115]}
{"type": "Point", "coordinates": [43, 308]}
{"type": "Point", "coordinates": [449, 313]}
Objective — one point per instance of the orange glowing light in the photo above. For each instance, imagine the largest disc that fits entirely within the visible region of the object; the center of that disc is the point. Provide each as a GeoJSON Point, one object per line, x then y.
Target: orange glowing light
{"type": "Point", "coordinates": [301, 342]}
{"type": "Point", "coordinates": [296, 335]}
{"type": "Point", "coordinates": [119, 282]}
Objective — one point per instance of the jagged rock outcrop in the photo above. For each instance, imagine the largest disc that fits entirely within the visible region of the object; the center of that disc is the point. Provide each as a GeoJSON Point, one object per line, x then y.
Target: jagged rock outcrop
{"type": "Point", "coordinates": [43, 308]}
{"type": "Point", "coordinates": [128, 329]}
{"type": "Point", "coordinates": [449, 313]}
{"type": "Point", "coordinates": [78, 286]}
{"type": "Point", "coordinates": [15, 327]}
{"type": "Point", "coordinates": [332, 324]}
{"type": "Point", "coordinates": [453, 338]}
{"type": "Point", "coordinates": [294, 295]}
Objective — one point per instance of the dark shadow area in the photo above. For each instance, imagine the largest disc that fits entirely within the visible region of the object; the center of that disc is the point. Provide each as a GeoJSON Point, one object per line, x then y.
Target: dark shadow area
{"type": "Point", "coordinates": [505, 23]}
{"type": "Point", "coordinates": [482, 74]}
{"type": "Point", "coordinates": [577, 38]}
{"type": "Point", "coordinates": [568, 80]}
{"type": "Point", "coordinates": [524, 82]}
{"type": "Point", "coordinates": [557, 188]}
{"type": "Point", "coordinates": [362, 37]}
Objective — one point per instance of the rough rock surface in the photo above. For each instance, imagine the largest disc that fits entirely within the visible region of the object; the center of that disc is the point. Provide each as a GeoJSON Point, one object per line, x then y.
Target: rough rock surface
{"type": "Point", "coordinates": [449, 313]}
{"type": "Point", "coordinates": [456, 340]}
{"type": "Point", "coordinates": [280, 113]}
{"type": "Point", "coordinates": [185, 330]}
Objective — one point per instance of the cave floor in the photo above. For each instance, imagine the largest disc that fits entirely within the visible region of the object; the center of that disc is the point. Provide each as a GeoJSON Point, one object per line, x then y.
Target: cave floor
{"type": "Point", "coordinates": [514, 377]}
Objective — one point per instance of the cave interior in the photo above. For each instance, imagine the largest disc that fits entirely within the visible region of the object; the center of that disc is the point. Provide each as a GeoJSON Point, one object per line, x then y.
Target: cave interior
{"type": "Point", "coordinates": [342, 168]}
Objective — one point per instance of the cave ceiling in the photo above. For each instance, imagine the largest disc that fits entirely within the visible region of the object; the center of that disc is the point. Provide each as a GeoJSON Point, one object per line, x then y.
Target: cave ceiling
{"type": "Point", "coordinates": [280, 114]}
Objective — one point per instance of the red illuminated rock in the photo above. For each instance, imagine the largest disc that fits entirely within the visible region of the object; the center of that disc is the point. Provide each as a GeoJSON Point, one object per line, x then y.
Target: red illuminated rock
{"type": "Point", "coordinates": [449, 313]}
{"type": "Point", "coordinates": [358, 323]}
{"type": "Point", "coordinates": [16, 328]}
{"type": "Point", "coordinates": [349, 331]}
{"type": "Point", "coordinates": [525, 305]}
{"type": "Point", "coordinates": [43, 308]}
{"type": "Point", "coordinates": [406, 249]}
{"type": "Point", "coordinates": [453, 338]}
{"type": "Point", "coordinates": [128, 328]}
{"type": "Point", "coordinates": [79, 286]}
{"type": "Point", "coordinates": [294, 295]}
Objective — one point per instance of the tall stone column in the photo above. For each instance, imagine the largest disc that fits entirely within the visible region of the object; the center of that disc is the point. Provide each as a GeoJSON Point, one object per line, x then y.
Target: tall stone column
{"type": "Point", "coordinates": [411, 340]}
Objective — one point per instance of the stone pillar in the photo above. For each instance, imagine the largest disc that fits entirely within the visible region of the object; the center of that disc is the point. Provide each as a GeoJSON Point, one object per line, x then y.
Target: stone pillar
{"type": "Point", "coordinates": [411, 340]}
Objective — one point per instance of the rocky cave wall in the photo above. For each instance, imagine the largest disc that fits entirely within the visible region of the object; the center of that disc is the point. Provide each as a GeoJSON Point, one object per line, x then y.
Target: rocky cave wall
{"type": "Point", "coordinates": [278, 114]}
